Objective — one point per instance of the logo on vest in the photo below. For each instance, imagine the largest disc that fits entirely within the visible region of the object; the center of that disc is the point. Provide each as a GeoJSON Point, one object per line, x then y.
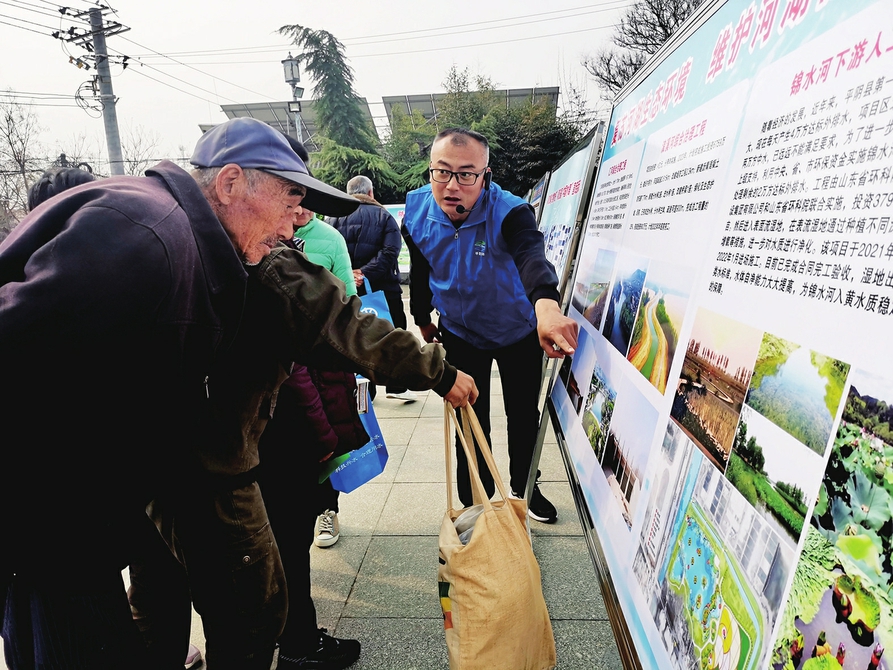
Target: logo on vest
{"type": "Point", "coordinates": [480, 248]}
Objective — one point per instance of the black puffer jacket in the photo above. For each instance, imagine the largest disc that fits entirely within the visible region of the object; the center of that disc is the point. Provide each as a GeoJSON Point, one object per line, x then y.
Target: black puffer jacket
{"type": "Point", "coordinates": [373, 241]}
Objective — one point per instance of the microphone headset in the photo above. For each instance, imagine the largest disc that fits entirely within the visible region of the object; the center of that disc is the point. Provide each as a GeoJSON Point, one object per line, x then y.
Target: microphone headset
{"type": "Point", "coordinates": [488, 179]}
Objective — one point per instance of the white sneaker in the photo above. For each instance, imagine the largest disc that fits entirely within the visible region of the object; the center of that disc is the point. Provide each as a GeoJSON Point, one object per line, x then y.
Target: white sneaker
{"type": "Point", "coordinates": [193, 657]}
{"type": "Point", "coordinates": [406, 396]}
{"type": "Point", "coordinates": [327, 529]}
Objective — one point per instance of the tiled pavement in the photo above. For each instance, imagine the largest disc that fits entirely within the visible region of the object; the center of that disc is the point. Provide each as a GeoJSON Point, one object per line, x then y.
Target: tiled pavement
{"type": "Point", "coordinates": [378, 583]}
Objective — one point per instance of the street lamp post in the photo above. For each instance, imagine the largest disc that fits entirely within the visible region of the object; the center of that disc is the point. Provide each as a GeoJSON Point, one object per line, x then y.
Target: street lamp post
{"type": "Point", "coordinates": [293, 78]}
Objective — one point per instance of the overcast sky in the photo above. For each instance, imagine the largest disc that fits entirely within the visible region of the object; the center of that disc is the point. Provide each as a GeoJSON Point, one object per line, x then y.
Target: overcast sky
{"type": "Point", "coordinates": [227, 52]}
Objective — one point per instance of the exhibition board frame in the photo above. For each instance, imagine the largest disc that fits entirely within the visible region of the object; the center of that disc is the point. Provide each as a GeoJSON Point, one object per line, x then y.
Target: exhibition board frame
{"type": "Point", "coordinates": [742, 233]}
{"type": "Point", "coordinates": [565, 202]}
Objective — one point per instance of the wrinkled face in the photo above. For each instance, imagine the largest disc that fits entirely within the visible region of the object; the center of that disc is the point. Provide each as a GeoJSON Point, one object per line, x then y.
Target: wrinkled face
{"type": "Point", "coordinates": [468, 157]}
{"type": "Point", "coordinates": [263, 214]}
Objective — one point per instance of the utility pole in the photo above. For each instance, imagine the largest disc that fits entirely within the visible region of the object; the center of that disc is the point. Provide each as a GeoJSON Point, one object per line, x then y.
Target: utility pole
{"type": "Point", "coordinates": [94, 41]}
{"type": "Point", "coordinates": [106, 95]}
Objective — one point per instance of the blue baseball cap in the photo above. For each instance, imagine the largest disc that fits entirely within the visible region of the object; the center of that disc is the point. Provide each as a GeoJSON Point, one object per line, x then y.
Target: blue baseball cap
{"type": "Point", "coordinates": [253, 144]}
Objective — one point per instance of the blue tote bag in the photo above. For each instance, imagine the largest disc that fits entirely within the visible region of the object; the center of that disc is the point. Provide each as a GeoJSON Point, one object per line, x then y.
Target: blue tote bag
{"type": "Point", "coordinates": [375, 303]}
{"type": "Point", "coordinates": [355, 468]}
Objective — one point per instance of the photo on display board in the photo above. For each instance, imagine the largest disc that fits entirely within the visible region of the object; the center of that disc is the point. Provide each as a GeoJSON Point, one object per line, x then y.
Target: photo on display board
{"type": "Point", "coordinates": [623, 303]}
{"type": "Point", "coordinates": [591, 287]}
{"type": "Point", "coordinates": [798, 390]}
{"type": "Point", "coordinates": [715, 375]}
{"type": "Point", "coordinates": [775, 473]}
{"type": "Point", "coordinates": [627, 448]}
{"type": "Point", "coordinates": [713, 571]}
{"type": "Point", "coordinates": [661, 311]}
{"type": "Point", "coordinates": [840, 600]}
{"type": "Point", "coordinates": [599, 408]}
{"type": "Point", "coordinates": [576, 371]}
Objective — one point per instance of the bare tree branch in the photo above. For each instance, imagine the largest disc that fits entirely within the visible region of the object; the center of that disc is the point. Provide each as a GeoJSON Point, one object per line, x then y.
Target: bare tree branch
{"type": "Point", "coordinates": [19, 165]}
{"type": "Point", "coordinates": [645, 27]}
{"type": "Point", "coordinates": [140, 149]}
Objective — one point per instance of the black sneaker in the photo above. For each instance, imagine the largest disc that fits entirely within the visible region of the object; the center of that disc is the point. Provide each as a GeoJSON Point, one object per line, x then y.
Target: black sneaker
{"type": "Point", "coordinates": [330, 654]}
{"type": "Point", "coordinates": [540, 509]}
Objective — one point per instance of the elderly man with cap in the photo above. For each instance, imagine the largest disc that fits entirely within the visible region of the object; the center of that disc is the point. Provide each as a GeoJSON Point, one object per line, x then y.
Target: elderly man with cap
{"type": "Point", "coordinates": [130, 367]}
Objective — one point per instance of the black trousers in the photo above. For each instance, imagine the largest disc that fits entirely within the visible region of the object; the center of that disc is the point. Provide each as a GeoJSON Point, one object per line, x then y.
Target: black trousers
{"type": "Point", "coordinates": [76, 617]}
{"type": "Point", "coordinates": [395, 306]}
{"type": "Point", "coordinates": [46, 628]}
{"type": "Point", "coordinates": [520, 369]}
{"type": "Point", "coordinates": [289, 479]}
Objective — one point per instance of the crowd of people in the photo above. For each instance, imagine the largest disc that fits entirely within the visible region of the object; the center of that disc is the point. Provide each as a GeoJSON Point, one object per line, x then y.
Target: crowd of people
{"type": "Point", "coordinates": [180, 350]}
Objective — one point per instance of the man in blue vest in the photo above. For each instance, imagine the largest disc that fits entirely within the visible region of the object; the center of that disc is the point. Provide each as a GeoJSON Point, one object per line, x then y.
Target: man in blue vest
{"type": "Point", "coordinates": [478, 259]}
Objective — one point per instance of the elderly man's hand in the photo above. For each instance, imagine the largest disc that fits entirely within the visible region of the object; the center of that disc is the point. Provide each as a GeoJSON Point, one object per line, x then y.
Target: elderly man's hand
{"type": "Point", "coordinates": [358, 278]}
{"type": "Point", "coordinates": [464, 391]}
{"type": "Point", "coordinates": [557, 333]}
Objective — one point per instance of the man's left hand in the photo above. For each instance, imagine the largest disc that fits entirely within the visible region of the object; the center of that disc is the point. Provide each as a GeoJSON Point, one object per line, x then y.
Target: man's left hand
{"type": "Point", "coordinates": [557, 332]}
{"type": "Point", "coordinates": [464, 391]}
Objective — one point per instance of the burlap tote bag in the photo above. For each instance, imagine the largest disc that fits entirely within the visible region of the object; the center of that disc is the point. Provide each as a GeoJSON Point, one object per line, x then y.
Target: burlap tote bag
{"type": "Point", "coordinates": [494, 613]}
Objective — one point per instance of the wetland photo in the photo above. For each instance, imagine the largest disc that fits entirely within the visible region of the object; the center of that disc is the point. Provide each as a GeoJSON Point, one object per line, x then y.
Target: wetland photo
{"type": "Point", "coordinates": [798, 390]}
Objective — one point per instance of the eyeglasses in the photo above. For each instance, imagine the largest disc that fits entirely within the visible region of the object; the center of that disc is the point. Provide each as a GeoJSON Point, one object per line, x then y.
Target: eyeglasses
{"type": "Point", "coordinates": [462, 178]}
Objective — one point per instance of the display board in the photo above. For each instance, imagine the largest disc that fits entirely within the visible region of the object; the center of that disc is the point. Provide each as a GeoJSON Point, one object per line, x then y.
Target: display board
{"type": "Point", "coordinates": [562, 207]}
{"type": "Point", "coordinates": [535, 197]}
{"type": "Point", "coordinates": [728, 413]}
{"type": "Point", "coordinates": [403, 257]}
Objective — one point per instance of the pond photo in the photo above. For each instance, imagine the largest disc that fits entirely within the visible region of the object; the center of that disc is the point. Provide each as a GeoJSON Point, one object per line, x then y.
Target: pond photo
{"type": "Point", "coordinates": [797, 389]}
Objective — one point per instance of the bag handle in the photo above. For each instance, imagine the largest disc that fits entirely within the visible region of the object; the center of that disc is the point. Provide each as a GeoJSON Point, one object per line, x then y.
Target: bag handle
{"type": "Point", "coordinates": [470, 425]}
{"type": "Point", "coordinates": [470, 418]}
{"type": "Point", "coordinates": [367, 286]}
{"type": "Point", "coordinates": [479, 493]}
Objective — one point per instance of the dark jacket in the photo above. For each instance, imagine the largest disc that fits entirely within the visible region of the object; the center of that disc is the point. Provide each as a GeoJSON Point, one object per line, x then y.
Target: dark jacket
{"type": "Point", "coordinates": [120, 302]}
{"type": "Point", "coordinates": [117, 298]}
{"type": "Point", "coordinates": [373, 241]}
{"type": "Point", "coordinates": [319, 409]}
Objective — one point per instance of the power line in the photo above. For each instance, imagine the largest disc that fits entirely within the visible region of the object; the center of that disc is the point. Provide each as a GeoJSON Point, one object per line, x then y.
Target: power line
{"type": "Point", "coordinates": [164, 83]}
{"type": "Point", "coordinates": [42, 104]}
{"type": "Point", "coordinates": [30, 30]}
{"type": "Point", "coordinates": [37, 10]}
{"type": "Point", "coordinates": [30, 23]}
{"type": "Point", "coordinates": [182, 81]}
{"type": "Point", "coordinates": [535, 18]}
{"type": "Point", "coordinates": [416, 51]}
{"type": "Point", "coordinates": [352, 41]}
{"type": "Point", "coordinates": [28, 94]}
{"type": "Point", "coordinates": [482, 44]}
{"type": "Point", "coordinates": [196, 69]}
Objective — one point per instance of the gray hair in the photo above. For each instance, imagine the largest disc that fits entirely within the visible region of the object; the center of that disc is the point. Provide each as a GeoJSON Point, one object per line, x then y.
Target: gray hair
{"type": "Point", "coordinates": [359, 184]}
{"type": "Point", "coordinates": [205, 177]}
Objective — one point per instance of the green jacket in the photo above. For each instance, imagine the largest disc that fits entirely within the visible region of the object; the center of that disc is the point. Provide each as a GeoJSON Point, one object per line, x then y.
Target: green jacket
{"type": "Point", "coordinates": [325, 246]}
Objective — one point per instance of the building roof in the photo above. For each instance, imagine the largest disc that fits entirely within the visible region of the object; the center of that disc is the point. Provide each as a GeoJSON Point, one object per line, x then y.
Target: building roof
{"type": "Point", "coordinates": [277, 115]}
{"type": "Point", "coordinates": [427, 103]}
